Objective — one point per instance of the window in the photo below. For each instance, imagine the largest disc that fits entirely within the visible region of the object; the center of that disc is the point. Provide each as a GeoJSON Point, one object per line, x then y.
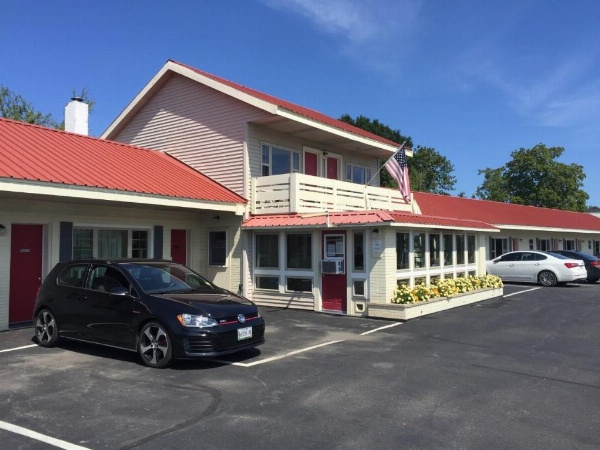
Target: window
{"type": "Point", "coordinates": [434, 250]}
{"type": "Point", "coordinates": [112, 243]}
{"type": "Point", "coordinates": [402, 243]}
{"type": "Point", "coordinates": [270, 283]}
{"type": "Point", "coordinates": [460, 249]}
{"type": "Point", "coordinates": [358, 287]}
{"type": "Point", "coordinates": [294, 284]}
{"type": "Point", "coordinates": [419, 249]}
{"type": "Point", "coordinates": [359, 251]}
{"type": "Point", "coordinates": [544, 245]}
{"type": "Point", "coordinates": [471, 249]}
{"type": "Point", "coordinates": [357, 174]}
{"type": "Point", "coordinates": [277, 160]}
{"type": "Point", "coordinates": [83, 243]}
{"type": "Point", "coordinates": [105, 279]}
{"type": "Point", "coordinates": [72, 275]}
{"type": "Point", "coordinates": [569, 244]}
{"type": "Point", "coordinates": [106, 243]}
{"type": "Point", "coordinates": [299, 251]}
{"type": "Point", "coordinates": [139, 244]}
{"type": "Point", "coordinates": [334, 246]}
{"type": "Point", "coordinates": [531, 245]}
{"type": "Point", "coordinates": [448, 248]}
{"type": "Point", "coordinates": [217, 248]}
{"type": "Point", "coordinates": [267, 251]}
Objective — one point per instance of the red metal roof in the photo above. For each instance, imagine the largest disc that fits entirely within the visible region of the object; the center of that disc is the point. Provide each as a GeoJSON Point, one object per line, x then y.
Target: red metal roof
{"type": "Point", "coordinates": [30, 152]}
{"type": "Point", "coordinates": [301, 110]}
{"type": "Point", "coordinates": [318, 219]}
{"type": "Point", "coordinates": [436, 221]}
{"type": "Point", "coordinates": [498, 213]}
{"type": "Point", "coordinates": [359, 218]}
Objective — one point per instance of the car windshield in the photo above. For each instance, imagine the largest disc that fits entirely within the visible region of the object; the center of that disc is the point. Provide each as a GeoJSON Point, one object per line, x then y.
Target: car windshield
{"type": "Point", "coordinates": [165, 277]}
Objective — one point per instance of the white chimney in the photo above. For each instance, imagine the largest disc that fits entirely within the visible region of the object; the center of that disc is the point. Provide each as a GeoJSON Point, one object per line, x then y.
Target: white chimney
{"type": "Point", "coordinates": [76, 116]}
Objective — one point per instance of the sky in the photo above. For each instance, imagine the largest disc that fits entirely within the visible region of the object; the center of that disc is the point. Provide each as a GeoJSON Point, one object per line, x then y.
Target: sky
{"type": "Point", "coordinates": [474, 79]}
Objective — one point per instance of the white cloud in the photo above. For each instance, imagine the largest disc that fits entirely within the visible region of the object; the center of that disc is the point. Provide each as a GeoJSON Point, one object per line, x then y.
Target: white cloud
{"type": "Point", "coordinates": [368, 29]}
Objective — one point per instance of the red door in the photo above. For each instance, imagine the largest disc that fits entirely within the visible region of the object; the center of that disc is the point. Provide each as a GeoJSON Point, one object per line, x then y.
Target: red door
{"type": "Point", "coordinates": [179, 246]}
{"type": "Point", "coordinates": [332, 168]}
{"type": "Point", "coordinates": [25, 270]}
{"type": "Point", "coordinates": [333, 286]}
{"type": "Point", "coordinates": [311, 162]}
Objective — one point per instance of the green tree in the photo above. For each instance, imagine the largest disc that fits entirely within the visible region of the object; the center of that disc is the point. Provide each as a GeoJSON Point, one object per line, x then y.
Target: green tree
{"type": "Point", "coordinates": [429, 171]}
{"type": "Point", "coordinates": [13, 106]}
{"type": "Point", "coordinates": [534, 177]}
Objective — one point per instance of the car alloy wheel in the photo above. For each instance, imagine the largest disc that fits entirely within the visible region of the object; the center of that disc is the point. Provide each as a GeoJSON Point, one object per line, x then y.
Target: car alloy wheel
{"type": "Point", "coordinates": [154, 345]}
{"type": "Point", "coordinates": [46, 330]}
{"type": "Point", "coordinates": [547, 278]}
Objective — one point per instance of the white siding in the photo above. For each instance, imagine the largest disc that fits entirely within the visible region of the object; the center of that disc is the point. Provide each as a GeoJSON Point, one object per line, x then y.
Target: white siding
{"type": "Point", "coordinates": [198, 125]}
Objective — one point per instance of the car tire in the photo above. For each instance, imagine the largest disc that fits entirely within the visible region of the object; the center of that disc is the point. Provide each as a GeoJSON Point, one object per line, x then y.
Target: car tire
{"type": "Point", "coordinates": [46, 328]}
{"type": "Point", "coordinates": [155, 345]}
{"type": "Point", "coordinates": [547, 278]}
{"type": "Point", "coordinates": [592, 280]}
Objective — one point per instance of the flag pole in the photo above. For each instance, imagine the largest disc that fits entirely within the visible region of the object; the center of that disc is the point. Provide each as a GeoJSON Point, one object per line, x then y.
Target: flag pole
{"type": "Point", "coordinates": [383, 165]}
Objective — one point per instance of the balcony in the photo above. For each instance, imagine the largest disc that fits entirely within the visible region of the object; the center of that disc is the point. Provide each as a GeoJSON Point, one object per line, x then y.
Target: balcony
{"type": "Point", "coordinates": [299, 193]}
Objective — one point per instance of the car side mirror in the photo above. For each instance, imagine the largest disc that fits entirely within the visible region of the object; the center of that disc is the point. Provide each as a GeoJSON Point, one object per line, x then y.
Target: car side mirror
{"type": "Point", "coordinates": [119, 291]}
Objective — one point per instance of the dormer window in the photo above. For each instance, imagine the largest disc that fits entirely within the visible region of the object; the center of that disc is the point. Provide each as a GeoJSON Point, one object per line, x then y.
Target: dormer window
{"type": "Point", "coordinates": [278, 160]}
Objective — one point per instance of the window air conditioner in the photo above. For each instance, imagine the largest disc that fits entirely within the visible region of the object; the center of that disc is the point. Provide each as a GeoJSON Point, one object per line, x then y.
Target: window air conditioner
{"type": "Point", "coordinates": [329, 266]}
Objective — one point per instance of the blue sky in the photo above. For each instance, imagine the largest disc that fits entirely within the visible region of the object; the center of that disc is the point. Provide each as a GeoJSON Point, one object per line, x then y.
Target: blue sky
{"type": "Point", "coordinates": [475, 79]}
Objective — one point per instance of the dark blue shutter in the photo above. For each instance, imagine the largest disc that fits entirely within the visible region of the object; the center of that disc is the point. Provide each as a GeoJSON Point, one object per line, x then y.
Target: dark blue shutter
{"type": "Point", "coordinates": [158, 242]}
{"type": "Point", "coordinates": [66, 241]}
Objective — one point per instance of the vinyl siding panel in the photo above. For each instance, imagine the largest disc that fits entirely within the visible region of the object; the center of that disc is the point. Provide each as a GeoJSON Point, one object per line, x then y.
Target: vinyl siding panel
{"type": "Point", "coordinates": [198, 125]}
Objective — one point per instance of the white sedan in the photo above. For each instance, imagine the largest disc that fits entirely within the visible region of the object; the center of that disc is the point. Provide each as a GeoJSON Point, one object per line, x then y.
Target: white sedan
{"type": "Point", "coordinates": [545, 268]}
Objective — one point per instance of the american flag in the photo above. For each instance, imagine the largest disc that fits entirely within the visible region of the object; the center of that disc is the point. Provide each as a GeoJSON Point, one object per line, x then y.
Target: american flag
{"type": "Point", "coordinates": [398, 169]}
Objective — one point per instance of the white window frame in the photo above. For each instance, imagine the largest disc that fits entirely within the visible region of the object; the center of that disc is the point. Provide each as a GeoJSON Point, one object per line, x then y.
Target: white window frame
{"type": "Point", "coordinates": [350, 169]}
{"type": "Point", "coordinates": [267, 160]}
{"type": "Point", "coordinates": [226, 248]}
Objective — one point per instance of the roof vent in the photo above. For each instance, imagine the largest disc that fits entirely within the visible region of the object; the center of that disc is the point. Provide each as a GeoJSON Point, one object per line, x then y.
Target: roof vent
{"type": "Point", "coordinates": [76, 116]}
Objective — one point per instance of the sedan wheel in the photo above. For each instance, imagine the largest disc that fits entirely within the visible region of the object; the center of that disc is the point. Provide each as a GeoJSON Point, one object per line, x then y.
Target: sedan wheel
{"type": "Point", "coordinates": [154, 345]}
{"type": "Point", "coordinates": [46, 330]}
{"type": "Point", "coordinates": [547, 278]}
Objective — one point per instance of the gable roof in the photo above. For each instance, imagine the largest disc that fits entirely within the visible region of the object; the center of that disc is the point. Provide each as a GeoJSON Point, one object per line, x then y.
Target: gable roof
{"type": "Point", "coordinates": [256, 98]}
{"type": "Point", "coordinates": [505, 215]}
{"type": "Point", "coordinates": [37, 155]}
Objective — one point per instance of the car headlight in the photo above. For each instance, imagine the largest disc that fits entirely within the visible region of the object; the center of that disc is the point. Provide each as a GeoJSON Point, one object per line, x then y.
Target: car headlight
{"type": "Point", "coordinates": [193, 321]}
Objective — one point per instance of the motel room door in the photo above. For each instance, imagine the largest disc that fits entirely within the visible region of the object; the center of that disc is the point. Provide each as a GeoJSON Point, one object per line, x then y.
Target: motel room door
{"type": "Point", "coordinates": [179, 246]}
{"type": "Point", "coordinates": [333, 285]}
{"type": "Point", "coordinates": [26, 247]}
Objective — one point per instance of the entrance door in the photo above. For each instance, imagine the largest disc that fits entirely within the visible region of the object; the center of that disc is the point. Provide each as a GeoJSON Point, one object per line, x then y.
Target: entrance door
{"type": "Point", "coordinates": [179, 246]}
{"type": "Point", "coordinates": [334, 292]}
{"type": "Point", "coordinates": [311, 163]}
{"type": "Point", "coordinates": [25, 270]}
{"type": "Point", "coordinates": [332, 168]}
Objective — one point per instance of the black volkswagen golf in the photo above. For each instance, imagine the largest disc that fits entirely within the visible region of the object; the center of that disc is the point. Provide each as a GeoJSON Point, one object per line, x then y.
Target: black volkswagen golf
{"type": "Point", "coordinates": [160, 309]}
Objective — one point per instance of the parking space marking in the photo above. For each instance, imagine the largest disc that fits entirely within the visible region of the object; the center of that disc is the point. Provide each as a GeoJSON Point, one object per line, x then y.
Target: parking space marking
{"type": "Point", "coordinates": [274, 358]}
{"type": "Point", "coordinates": [520, 292]}
{"type": "Point", "coordinates": [18, 348]}
{"type": "Point", "coordinates": [381, 328]}
{"type": "Point", "coordinates": [40, 437]}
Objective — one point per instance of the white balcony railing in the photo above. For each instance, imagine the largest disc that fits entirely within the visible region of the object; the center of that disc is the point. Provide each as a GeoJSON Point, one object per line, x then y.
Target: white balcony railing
{"type": "Point", "coordinates": [299, 193]}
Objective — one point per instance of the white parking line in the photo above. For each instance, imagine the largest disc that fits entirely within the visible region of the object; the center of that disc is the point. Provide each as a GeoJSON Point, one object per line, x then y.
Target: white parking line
{"type": "Point", "coordinates": [302, 350]}
{"type": "Point", "coordinates": [40, 437]}
{"type": "Point", "coordinates": [520, 292]}
{"type": "Point", "coordinates": [18, 348]}
{"type": "Point", "coordinates": [381, 328]}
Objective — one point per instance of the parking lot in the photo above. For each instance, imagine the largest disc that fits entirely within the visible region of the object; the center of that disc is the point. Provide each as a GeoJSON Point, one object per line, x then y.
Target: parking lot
{"type": "Point", "coordinates": [521, 371]}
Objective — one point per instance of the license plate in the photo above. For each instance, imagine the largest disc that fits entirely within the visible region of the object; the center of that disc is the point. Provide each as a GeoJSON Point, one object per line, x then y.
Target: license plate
{"type": "Point", "coordinates": [244, 333]}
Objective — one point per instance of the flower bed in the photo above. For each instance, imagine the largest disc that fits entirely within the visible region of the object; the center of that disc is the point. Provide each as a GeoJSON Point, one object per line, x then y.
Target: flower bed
{"type": "Point", "coordinates": [422, 300]}
{"type": "Point", "coordinates": [445, 288]}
